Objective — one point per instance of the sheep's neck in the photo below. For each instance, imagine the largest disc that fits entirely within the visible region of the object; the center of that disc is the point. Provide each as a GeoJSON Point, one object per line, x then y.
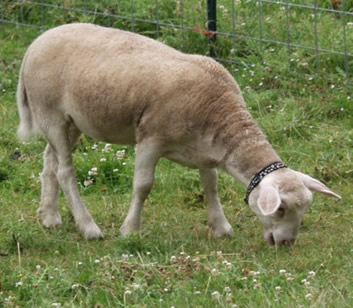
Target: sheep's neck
{"type": "Point", "coordinates": [247, 149]}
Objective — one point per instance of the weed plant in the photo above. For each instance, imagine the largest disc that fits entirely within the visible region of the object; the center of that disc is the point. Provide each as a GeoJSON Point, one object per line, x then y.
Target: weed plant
{"type": "Point", "coordinates": [174, 261]}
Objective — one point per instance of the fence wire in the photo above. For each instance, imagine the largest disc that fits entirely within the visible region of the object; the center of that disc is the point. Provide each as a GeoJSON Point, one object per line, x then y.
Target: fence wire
{"type": "Point", "coordinates": [316, 35]}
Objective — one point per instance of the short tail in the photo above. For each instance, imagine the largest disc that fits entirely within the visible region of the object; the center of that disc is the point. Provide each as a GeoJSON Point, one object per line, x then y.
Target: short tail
{"type": "Point", "coordinates": [27, 126]}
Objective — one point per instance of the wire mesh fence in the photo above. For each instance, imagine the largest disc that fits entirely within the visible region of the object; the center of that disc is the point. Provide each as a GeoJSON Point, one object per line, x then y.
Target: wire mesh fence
{"type": "Point", "coordinates": [309, 37]}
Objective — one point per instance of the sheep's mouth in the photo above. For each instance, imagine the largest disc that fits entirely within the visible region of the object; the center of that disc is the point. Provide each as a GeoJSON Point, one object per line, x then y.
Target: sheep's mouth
{"type": "Point", "coordinates": [271, 240]}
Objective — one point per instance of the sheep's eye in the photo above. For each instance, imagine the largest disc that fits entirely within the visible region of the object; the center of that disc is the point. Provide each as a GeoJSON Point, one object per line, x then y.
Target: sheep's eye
{"type": "Point", "coordinates": [281, 211]}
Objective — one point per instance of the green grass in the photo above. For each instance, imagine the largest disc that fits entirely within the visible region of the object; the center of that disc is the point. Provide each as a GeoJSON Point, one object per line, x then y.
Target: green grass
{"type": "Point", "coordinates": [174, 261]}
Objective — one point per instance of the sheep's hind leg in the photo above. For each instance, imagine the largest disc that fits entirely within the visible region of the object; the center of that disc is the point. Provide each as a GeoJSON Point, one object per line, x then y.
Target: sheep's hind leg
{"type": "Point", "coordinates": [48, 210]}
{"type": "Point", "coordinates": [217, 222]}
{"type": "Point", "coordinates": [49, 206]}
{"type": "Point", "coordinates": [61, 140]}
{"type": "Point", "coordinates": [147, 156]}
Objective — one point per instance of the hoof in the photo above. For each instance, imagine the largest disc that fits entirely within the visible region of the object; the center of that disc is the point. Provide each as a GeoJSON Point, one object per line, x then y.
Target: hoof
{"type": "Point", "coordinates": [49, 220]}
{"type": "Point", "coordinates": [222, 230]}
{"type": "Point", "coordinates": [91, 231]}
{"type": "Point", "coordinates": [127, 229]}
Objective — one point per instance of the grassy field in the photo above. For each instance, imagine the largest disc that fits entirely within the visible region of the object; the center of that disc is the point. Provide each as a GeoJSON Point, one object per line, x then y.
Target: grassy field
{"type": "Point", "coordinates": [174, 261]}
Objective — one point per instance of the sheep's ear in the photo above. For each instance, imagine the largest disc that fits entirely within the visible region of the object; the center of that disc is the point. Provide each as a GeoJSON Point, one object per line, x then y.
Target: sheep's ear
{"type": "Point", "coordinates": [269, 199]}
{"type": "Point", "coordinates": [315, 185]}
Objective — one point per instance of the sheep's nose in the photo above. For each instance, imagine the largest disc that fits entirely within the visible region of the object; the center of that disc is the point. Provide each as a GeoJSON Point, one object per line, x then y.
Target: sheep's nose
{"type": "Point", "coordinates": [287, 242]}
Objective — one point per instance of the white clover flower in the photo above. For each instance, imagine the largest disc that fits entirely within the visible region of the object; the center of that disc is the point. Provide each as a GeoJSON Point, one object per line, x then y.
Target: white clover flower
{"type": "Point", "coordinates": [120, 154]}
{"type": "Point", "coordinates": [125, 256]}
{"type": "Point", "coordinates": [197, 292]}
{"type": "Point", "coordinates": [214, 271]}
{"type": "Point", "coordinates": [127, 292]}
{"type": "Point", "coordinates": [312, 274]}
{"type": "Point", "coordinates": [57, 305]}
{"type": "Point", "coordinates": [307, 283]}
{"type": "Point", "coordinates": [278, 289]}
{"type": "Point", "coordinates": [88, 182]}
{"type": "Point", "coordinates": [8, 300]}
{"type": "Point", "coordinates": [216, 295]}
{"type": "Point", "coordinates": [103, 159]}
{"type": "Point", "coordinates": [79, 263]}
{"type": "Point", "coordinates": [97, 261]}
{"type": "Point", "coordinates": [290, 278]}
{"type": "Point", "coordinates": [75, 286]}
{"type": "Point", "coordinates": [136, 286]}
{"type": "Point", "coordinates": [166, 289]}
{"type": "Point", "coordinates": [257, 286]}
{"type": "Point", "coordinates": [282, 271]}
{"type": "Point", "coordinates": [115, 170]}
{"type": "Point", "coordinates": [124, 164]}
{"type": "Point", "coordinates": [107, 147]}
{"type": "Point", "coordinates": [261, 84]}
{"type": "Point", "coordinates": [18, 284]}
{"type": "Point", "coordinates": [182, 253]}
{"type": "Point", "coordinates": [38, 267]}
{"type": "Point", "coordinates": [244, 278]}
{"type": "Point", "coordinates": [304, 280]}
{"type": "Point", "coordinates": [227, 289]}
{"type": "Point", "coordinates": [219, 253]}
{"type": "Point", "coordinates": [173, 258]}
{"type": "Point", "coordinates": [309, 296]}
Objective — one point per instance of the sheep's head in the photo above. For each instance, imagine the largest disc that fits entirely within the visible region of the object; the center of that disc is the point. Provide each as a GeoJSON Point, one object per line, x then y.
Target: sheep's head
{"type": "Point", "coordinates": [280, 201]}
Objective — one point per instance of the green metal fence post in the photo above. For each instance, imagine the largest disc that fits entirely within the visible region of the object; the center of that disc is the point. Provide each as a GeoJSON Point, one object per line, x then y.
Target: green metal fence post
{"type": "Point", "coordinates": [211, 24]}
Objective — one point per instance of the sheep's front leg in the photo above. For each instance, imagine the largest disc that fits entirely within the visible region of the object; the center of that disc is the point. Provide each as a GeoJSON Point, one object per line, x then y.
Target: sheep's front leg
{"type": "Point", "coordinates": [217, 222]}
{"type": "Point", "coordinates": [48, 210]}
{"type": "Point", "coordinates": [147, 156]}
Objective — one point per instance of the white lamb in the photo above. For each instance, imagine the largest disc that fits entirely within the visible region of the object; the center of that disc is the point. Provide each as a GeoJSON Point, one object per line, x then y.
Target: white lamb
{"type": "Point", "coordinates": [120, 87]}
